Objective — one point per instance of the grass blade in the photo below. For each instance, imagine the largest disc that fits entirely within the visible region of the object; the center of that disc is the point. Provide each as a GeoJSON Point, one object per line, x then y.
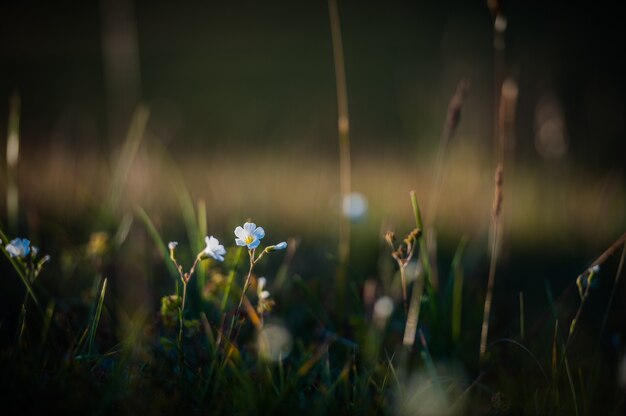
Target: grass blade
{"type": "Point", "coordinates": [96, 318]}
{"type": "Point", "coordinates": [125, 161]}
{"type": "Point", "coordinates": [571, 386]}
{"type": "Point", "coordinates": [457, 290]}
{"type": "Point", "coordinates": [158, 241]}
{"type": "Point", "coordinates": [201, 271]}
{"type": "Point", "coordinates": [231, 279]}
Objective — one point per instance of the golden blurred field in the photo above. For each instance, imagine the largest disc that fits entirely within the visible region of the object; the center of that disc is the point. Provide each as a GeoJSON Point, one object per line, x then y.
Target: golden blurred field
{"type": "Point", "coordinates": [545, 203]}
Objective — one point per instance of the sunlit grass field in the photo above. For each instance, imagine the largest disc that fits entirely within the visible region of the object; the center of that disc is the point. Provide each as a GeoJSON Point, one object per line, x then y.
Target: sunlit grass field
{"type": "Point", "coordinates": [106, 324]}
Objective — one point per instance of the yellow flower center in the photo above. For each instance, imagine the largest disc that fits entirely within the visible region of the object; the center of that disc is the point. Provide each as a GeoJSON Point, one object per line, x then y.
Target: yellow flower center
{"type": "Point", "coordinates": [249, 239]}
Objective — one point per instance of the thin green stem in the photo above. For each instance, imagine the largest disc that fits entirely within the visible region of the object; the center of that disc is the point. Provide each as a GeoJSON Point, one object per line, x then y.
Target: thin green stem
{"type": "Point", "coordinates": [243, 293]}
{"type": "Point", "coordinates": [181, 313]}
{"type": "Point", "coordinates": [247, 282]}
{"type": "Point", "coordinates": [404, 293]}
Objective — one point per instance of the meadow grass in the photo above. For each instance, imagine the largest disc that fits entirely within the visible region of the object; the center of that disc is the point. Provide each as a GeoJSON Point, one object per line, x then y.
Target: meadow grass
{"type": "Point", "coordinates": [127, 322]}
{"type": "Point", "coordinates": [137, 312]}
{"type": "Point", "coordinates": [223, 350]}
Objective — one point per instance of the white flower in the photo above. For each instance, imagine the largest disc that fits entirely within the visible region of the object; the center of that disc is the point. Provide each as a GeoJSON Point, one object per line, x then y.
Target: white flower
{"type": "Point", "coordinates": [260, 285]}
{"type": "Point", "coordinates": [172, 245]}
{"type": "Point", "coordinates": [265, 304]}
{"type": "Point", "coordinates": [250, 235]}
{"type": "Point", "coordinates": [19, 247]}
{"type": "Point", "coordinates": [214, 248]}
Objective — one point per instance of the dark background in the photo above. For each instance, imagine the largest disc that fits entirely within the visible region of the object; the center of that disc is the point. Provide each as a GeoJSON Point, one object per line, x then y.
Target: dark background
{"type": "Point", "coordinates": [261, 73]}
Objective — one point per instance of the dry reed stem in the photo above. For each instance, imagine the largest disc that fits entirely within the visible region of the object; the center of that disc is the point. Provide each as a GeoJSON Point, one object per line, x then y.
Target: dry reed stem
{"type": "Point", "coordinates": [602, 258]}
{"type": "Point", "coordinates": [451, 123]}
{"type": "Point", "coordinates": [506, 120]}
{"type": "Point", "coordinates": [343, 126]}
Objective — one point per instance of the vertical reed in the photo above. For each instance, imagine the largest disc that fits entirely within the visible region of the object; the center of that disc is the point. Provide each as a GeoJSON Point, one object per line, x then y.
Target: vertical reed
{"type": "Point", "coordinates": [343, 125]}
{"type": "Point", "coordinates": [506, 120]}
{"type": "Point", "coordinates": [450, 125]}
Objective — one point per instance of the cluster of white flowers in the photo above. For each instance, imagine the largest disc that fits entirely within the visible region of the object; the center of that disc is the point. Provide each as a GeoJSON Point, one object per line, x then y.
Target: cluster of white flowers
{"type": "Point", "coordinates": [247, 236]}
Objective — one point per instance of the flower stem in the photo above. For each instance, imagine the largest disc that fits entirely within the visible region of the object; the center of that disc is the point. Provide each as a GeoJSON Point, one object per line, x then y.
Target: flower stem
{"type": "Point", "coordinates": [247, 282]}
{"type": "Point", "coordinates": [404, 294]}
{"type": "Point", "coordinates": [181, 314]}
{"type": "Point", "coordinates": [243, 293]}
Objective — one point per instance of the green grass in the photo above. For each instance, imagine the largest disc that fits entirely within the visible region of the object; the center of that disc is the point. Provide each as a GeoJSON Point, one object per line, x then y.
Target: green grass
{"type": "Point", "coordinates": [344, 361]}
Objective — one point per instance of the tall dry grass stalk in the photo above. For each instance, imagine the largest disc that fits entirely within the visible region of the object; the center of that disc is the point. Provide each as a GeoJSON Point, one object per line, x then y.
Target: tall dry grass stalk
{"type": "Point", "coordinates": [343, 126]}
{"type": "Point", "coordinates": [499, 62]}
{"type": "Point", "coordinates": [506, 121]}
{"type": "Point", "coordinates": [451, 123]}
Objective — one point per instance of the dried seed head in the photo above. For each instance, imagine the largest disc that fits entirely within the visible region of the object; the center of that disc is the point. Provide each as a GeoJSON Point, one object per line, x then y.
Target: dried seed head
{"type": "Point", "coordinates": [454, 107]}
{"type": "Point", "coordinates": [390, 237]}
{"type": "Point", "coordinates": [415, 234]}
{"type": "Point", "coordinates": [497, 200]}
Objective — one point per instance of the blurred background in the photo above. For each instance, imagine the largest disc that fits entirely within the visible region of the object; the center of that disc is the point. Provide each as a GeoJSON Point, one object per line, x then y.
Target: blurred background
{"type": "Point", "coordinates": [240, 109]}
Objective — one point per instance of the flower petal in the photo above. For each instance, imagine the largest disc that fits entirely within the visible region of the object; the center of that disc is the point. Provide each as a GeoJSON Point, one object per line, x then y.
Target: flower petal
{"type": "Point", "coordinates": [240, 242]}
{"type": "Point", "coordinates": [239, 232]}
{"type": "Point", "coordinates": [213, 242]}
{"type": "Point", "coordinates": [249, 227]}
{"type": "Point", "coordinates": [259, 233]}
{"type": "Point", "coordinates": [10, 248]}
{"type": "Point", "coordinates": [254, 244]}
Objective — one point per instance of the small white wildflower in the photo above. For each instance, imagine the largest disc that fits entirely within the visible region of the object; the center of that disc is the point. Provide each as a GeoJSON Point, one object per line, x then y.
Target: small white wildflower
{"type": "Point", "coordinates": [172, 245]}
{"type": "Point", "coordinates": [249, 235]}
{"type": "Point", "coordinates": [260, 286]}
{"type": "Point", "coordinates": [214, 249]}
{"type": "Point", "coordinates": [19, 247]}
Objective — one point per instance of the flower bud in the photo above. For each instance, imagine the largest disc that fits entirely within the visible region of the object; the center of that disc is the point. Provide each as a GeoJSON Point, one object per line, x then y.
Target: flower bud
{"type": "Point", "coordinates": [172, 247]}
